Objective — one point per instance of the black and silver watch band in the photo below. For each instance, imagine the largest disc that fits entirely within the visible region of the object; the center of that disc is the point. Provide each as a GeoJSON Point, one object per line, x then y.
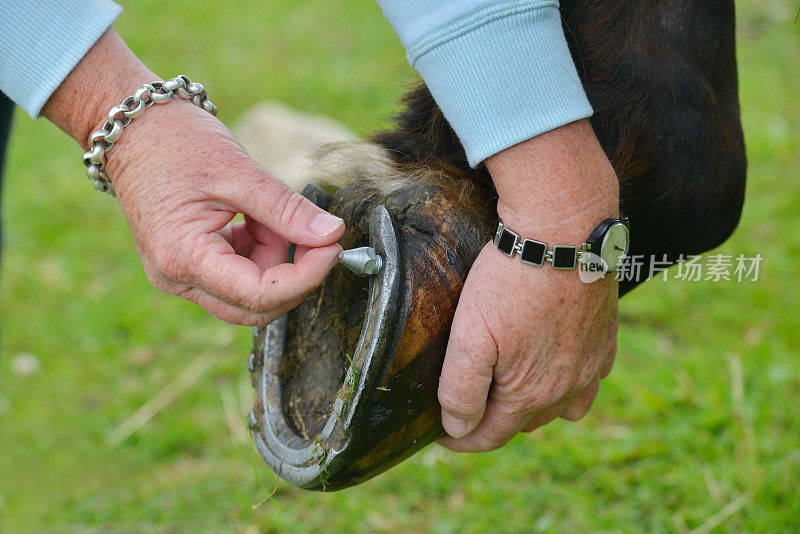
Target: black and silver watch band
{"type": "Point", "coordinates": [535, 252]}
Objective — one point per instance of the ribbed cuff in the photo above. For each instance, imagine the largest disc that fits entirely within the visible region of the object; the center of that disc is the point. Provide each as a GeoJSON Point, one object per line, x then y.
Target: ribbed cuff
{"type": "Point", "coordinates": [41, 41]}
{"type": "Point", "coordinates": [503, 76]}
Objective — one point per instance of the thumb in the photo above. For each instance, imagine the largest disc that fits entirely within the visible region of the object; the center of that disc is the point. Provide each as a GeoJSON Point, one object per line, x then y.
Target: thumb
{"type": "Point", "coordinates": [466, 374]}
{"type": "Point", "coordinates": [289, 214]}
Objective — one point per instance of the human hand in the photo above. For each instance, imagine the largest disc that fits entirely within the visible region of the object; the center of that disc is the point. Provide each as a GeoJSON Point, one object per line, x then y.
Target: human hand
{"type": "Point", "coordinates": [181, 177]}
{"type": "Point", "coordinates": [529, 344]}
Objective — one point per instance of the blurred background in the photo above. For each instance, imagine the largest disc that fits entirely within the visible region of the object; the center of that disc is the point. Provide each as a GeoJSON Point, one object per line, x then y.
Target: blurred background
{"type": "Point", "coordinates": [696, 429]}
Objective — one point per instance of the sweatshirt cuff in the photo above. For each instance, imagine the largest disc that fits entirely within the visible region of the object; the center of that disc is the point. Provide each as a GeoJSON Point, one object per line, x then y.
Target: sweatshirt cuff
{"type": "Point", "coordinates": [42, 41]}
{"type": "Point", "coordinates": [503, 76]}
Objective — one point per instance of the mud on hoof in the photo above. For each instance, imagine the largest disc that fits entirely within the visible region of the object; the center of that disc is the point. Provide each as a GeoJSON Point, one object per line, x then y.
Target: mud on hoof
{"type": "Point", "coordinates": [347, 388]}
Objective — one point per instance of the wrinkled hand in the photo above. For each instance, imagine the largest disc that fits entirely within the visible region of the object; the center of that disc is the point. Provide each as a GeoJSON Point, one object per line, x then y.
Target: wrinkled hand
{"type": "Point", "coordinates": [529, 344]}
{"type": "Point", "coordinates": [181, 177]}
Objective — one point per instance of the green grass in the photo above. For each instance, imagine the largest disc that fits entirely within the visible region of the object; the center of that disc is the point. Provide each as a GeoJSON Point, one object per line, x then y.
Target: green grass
{"type": "Point", "coordinates": [701, 409]}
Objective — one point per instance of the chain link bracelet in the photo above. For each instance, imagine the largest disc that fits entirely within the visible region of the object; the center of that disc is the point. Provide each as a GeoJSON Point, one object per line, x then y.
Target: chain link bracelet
{"type": "Point", "coordinates": [157, 92]}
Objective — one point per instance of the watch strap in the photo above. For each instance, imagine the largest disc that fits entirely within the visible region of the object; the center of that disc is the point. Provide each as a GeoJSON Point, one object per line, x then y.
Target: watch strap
{"type": "Point", "coordinates": [534, 252]}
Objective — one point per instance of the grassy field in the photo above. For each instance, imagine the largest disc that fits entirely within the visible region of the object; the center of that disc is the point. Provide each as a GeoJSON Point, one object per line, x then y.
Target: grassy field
{"type": "Point", "coordinates": [697, 427]}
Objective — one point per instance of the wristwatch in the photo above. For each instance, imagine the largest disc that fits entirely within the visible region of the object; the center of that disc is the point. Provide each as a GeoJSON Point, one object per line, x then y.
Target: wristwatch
{"type": "Point", "coordinates": [608, 242]}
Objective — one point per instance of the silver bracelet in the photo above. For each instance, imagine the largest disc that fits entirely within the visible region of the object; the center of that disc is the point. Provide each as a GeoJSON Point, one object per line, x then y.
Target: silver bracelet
{"type": "Point", "coordinates": [157, 92]}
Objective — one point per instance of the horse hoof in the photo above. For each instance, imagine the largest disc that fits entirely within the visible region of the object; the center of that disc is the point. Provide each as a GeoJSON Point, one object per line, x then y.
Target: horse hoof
{"type": "Point", "coordinates": [347, 382]}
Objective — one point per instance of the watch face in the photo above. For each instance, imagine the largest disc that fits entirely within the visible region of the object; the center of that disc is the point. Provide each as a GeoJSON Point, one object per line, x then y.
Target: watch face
{"type": "Point", "coordinates": [615, 245]}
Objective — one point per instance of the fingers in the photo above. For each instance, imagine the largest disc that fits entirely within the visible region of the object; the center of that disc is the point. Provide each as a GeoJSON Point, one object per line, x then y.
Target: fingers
{"type": "Point", "coordinates": [234, 289]}
{"type": "Point", "coordinates": [212, 265]}
{"type": "Point", "coordinates": [571, 409]}
{"type": "Point", "coordinates": [579, 406]}
{"type": "Point", "coordinates": [500, 423]}
{"type": "Point", "coordinates": [466, 373]}
{"type": "Point", "coordinates": [609, 363]}
{"type": "Point", "coordinates": [270, 249]}
{"type": "Point", "coordinates": [241, 282]}
{"type": "Point", "coordinates": [546, 416]}
{"type": "Point", "coordinates": [231, 314]}
{"type": "Point", "coordinates": [287, 213]}
{"type": "Point", "coordinates": [612, 351]}
{"type": "Point", "coordinates": [240, 275]}
{"type": "Point", "coordinates": [240, 238]}
{"type": "Point", "coordinates": [498, 426]}
{"type": "Point", "coordinates": [251, 240]}
{"type": "Point", "coordinates": [299, 252]}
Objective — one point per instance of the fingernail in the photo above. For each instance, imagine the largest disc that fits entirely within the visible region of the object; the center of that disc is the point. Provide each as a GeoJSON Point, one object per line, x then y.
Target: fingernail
{"type": "Point", "coordinates": [454, 426]}
{"type": "Point", "coordinates": [324, 223]}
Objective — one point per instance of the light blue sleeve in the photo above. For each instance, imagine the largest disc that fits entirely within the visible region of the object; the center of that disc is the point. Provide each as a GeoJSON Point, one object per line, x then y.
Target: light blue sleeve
{"type": "Point", "coordinates": [41, 41]}
{"type": "Point", "coordinates": [500, 71]}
